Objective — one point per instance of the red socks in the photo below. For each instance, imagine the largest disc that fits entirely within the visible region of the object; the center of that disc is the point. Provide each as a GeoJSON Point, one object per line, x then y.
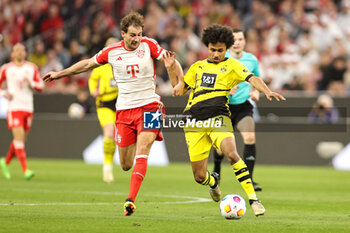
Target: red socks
{"type": "Point", "coordinates": [138, 173]}
{"type": "Point", "coordinates": [17, 148]}
{"type": "Point", "coordinates": [10, 153]}
{"type": "Point", "coordinates": [21, 154]}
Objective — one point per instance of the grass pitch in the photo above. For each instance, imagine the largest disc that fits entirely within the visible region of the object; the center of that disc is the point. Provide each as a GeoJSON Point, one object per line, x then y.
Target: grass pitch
{"type": "Point", "coordinates": [69, 196]}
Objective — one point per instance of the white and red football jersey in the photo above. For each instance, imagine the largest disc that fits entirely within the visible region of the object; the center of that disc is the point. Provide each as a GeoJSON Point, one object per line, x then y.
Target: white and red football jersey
{"type": "Point", "coordinates": [133, 71]}
{"type": "Point", "coordinates": [21, 90]}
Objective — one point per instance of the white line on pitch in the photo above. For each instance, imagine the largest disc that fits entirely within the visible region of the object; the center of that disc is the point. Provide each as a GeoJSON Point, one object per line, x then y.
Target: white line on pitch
{"type": "Point", "coordinates": [195, 200]}
{"type": "Point", "coordinates": [190, 199]}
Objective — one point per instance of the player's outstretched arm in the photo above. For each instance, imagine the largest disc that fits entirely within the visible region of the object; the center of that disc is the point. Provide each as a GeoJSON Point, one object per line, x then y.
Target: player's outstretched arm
{"type": "Point", "coordinates": [260, 85]}
{"type": "Point", "coordinates": [173, 67]}
{"type": "Point", "coordinates": [77, 68]}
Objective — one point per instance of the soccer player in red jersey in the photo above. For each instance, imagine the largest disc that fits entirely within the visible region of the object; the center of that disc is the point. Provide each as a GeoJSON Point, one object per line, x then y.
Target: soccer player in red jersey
{"type": "Point", "coordinates": [22, 77]}
{"type": "Point", "coordinates": [132, 61]}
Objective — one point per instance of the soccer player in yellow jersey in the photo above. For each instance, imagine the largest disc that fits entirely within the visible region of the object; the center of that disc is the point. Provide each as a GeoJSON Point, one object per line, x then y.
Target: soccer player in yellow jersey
{"type": "Point", "coordinates": [104, 88]}
{"type": "Point", "coordinates": [210, 82]}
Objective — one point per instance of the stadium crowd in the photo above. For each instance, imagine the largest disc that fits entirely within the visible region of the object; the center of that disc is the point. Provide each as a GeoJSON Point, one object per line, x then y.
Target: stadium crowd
{"type": "Point", "coordinates": [302, 45]}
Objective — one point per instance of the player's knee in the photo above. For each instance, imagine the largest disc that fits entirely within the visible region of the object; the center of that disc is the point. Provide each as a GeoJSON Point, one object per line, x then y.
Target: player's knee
{"type": "Point", "coordinates": [144, 148]}
{"type": "Point", "coordinates": [219, 152]}
{"type": "Point", "coordinates": [199, 178]}
{"type": "Point", "coordinates": [126, 166]}
{"type": "Point", "coordinates": [109, 135]}
{"type": "Point", "coordinates": [233, 157]}
{"type": "Point", "coordinates": [249, 139]}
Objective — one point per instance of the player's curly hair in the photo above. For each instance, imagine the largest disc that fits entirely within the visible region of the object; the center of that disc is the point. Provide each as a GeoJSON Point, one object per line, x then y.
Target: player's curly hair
{"type": "Point", "coordinates": [236, 30]}
{"type": "Point", "coordinates": [217, 34]}
{"type": "Point", "coordinates": [132, 19]}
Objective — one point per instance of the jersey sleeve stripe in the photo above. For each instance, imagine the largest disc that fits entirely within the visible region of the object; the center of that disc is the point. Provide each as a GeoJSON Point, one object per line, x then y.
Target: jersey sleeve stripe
{"type": "Point", "coordinates": [248, 77]}
{"type": "Point", "coordinates": [95, 60]}
{"type": "Point", "coordinates": [161, 54]}
{"type": "Point", "coordinates": [3, 74]}
{"type": "Point", "coordinates": [38, 84]}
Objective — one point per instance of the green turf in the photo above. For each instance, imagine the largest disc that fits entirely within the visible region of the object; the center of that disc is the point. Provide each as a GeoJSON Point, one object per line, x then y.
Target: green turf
{"type": "Point", "coordinates": [69, 196]}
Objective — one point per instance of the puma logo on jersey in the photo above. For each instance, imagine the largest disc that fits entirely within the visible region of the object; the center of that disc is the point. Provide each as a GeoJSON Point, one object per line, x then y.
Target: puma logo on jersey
{"type": "Point", "coordinates": [119, 58]}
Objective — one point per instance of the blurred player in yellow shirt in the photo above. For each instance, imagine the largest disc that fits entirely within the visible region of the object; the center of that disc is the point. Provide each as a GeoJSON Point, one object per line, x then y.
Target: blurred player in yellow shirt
{"type": "Point", "coordinates": [104, 88]}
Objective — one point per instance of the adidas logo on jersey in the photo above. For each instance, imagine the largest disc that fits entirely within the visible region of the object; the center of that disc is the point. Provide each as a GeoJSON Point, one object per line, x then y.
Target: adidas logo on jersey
{"type": "Point", "coordinates": [119, 58]}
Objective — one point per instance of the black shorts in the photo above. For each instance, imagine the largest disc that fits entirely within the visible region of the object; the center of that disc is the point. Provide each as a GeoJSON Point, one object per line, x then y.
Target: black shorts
{"type": "Point", "coordinates": [239, 111]}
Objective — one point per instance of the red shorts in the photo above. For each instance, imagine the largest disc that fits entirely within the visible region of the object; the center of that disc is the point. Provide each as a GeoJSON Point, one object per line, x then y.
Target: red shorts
{"type": "Point", "coordinates": [19, 119]}
{"type": "Point", "coordinates": [130, 123]}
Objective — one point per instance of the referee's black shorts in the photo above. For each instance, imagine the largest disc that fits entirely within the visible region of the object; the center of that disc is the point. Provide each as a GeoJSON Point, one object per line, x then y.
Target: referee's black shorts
{"type": "Point", "coordinates": [239, 111]}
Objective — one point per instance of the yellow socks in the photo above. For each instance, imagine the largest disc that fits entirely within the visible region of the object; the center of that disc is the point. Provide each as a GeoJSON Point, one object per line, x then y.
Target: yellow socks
{"type": "Point", "coordinates": [109, 149]}
{"type": "Point", "coordinates": [209, 180]}
{"type": "Point", "coordinates": [242, 175]}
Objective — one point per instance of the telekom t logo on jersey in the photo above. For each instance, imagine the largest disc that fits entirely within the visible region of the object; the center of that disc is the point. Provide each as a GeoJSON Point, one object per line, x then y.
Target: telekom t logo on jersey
{"type": "Point", "coordinates": [133, 69]}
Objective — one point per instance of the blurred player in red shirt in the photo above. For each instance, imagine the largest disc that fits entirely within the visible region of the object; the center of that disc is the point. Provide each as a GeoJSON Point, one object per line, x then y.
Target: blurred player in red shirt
{"type": "Point", "coordinates": [22, 77]}
{"type": "Point", "coordinates": [132, 61]}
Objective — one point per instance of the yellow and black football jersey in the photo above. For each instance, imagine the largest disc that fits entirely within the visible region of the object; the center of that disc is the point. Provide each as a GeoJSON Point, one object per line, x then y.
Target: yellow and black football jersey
{"type": "Point", "coordinates": [211, 83]}
{"type": "Point", "coordinates": [102, 78]}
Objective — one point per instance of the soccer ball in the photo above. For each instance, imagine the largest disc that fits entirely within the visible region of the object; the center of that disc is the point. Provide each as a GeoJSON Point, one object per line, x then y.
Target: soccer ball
{"type": "Point", "coordinates": [232, 206]}
{"type": "Point", "coordinates": [76, 111]}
